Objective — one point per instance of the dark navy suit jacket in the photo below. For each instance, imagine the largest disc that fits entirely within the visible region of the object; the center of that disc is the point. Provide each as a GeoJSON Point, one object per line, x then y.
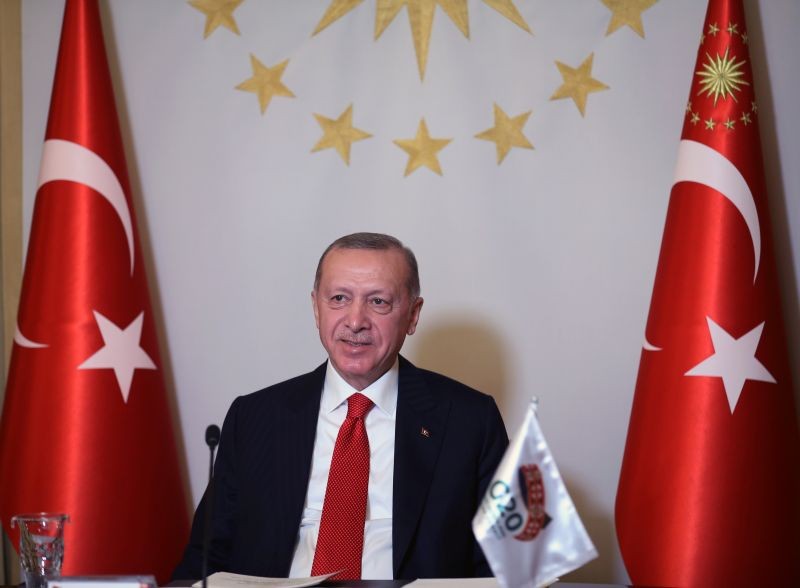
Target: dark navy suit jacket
{"type": "Point", "coordinates": [449, 439]}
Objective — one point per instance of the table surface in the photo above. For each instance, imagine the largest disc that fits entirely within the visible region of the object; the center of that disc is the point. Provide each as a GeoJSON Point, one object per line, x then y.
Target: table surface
{"type": "Point", "coordinates": [381, 584]}
{"type": "Point", "coordinates": [398, 583]}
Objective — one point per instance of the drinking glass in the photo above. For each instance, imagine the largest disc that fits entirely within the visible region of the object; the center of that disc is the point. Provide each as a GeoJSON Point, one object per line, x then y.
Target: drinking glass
{"type": "Point", "coordinates": [41, 546]}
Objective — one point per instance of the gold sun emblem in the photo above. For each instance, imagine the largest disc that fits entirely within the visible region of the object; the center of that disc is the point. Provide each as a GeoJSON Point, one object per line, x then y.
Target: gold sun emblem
{"type": "Point", "coordinates": [721, 77]}
{"type": "Point", "coordinates": [420, 16]}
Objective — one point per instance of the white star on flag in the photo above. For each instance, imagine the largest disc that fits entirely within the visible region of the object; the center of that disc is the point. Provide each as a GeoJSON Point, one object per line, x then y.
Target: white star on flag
{"type": "Point", "coordinates": [121, 352]}
{"type": "Point", "coordinates": [734, 360]}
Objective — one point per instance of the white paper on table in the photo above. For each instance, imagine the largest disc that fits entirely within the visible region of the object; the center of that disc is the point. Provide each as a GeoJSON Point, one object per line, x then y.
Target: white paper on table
{"type": "Point", "coordinates": [229, 580]}
{"type": "Point", "coordinates": [144, 581]}
{"type": "Point", "coordinates": [94, 584]}
{"type": "Point", "coordinates": [465, 582]}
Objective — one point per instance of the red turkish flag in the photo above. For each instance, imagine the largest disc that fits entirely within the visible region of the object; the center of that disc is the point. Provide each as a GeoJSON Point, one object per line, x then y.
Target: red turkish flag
{"type": "Point", "coordinates": [86, 427]}
{"type": "Point", "coordinates": [709, 492]}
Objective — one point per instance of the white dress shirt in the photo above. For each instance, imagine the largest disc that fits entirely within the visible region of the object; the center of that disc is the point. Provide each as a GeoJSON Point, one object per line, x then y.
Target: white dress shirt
{"type": "Point", "coordinates": [376, 559]}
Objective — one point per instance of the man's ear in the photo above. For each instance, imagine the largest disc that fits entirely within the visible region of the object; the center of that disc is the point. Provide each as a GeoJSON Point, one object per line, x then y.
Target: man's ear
{"type": "Point", "coordinates": [314, 307]}
{"type": "Point", "coordinates": [416, 308]}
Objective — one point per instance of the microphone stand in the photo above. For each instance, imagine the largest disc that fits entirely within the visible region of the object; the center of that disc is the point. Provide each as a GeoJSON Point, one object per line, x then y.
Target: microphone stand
{"type": "Point", "coordinates": [212, 439]}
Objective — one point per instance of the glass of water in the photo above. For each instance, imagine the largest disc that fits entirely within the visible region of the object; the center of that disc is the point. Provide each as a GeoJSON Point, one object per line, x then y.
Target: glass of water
{"type": "Point", "coordinates": [41, 546]}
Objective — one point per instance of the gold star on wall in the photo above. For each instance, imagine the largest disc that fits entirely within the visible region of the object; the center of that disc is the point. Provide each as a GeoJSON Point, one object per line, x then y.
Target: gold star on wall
{"type": "Point", "coordinates": [507, 9]}
{"type": "Point", "coordinates": [627, 13]}
{"type": "Point", "coordinates": [218, 13]}
{"type": "Point", "coordinates": [422, 150]}
{"type": "Point", "coordinates": [336, 10]}
{"type": "Point", "coordinates": [420, 16]}
{"type": "Point", "coordinates": [506, 133]}
{"type": "Point", "coordinates": [339, 134]}
{"type": "Point", "coordinates": [578, 83]}
{"type": "Point", "coordinates": [266, 82]}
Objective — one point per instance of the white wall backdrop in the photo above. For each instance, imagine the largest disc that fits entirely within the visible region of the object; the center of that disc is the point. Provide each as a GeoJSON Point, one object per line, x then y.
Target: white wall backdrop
{"type": "Point", "coordinates": [537, 272]}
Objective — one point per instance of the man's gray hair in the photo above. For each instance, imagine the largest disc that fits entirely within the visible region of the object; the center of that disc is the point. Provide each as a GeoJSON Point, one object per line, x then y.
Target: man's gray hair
{"type": "Point", "coordinates": [376, 242]}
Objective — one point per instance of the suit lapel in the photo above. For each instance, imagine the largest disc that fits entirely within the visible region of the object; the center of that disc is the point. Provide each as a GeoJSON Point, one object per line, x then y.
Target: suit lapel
{"type": "Point", "coordinates": [293, 469]}
{"type": "Point", "coordinates": [419, 431]}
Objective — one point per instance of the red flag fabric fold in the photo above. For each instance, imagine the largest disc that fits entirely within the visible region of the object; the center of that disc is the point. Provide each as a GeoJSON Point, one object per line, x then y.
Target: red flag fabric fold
{"type": "Point", "coordinates": [710, 480]}
{"type": "Point", "coordinates": [86, 426]}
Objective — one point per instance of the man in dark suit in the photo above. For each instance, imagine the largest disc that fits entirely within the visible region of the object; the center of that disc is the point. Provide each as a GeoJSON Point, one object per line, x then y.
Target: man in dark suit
{"type": "Point", "coordinates": [282, 487]}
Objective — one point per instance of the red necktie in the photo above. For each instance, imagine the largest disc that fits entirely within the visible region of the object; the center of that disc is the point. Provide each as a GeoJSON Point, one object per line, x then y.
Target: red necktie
{"type": "Point", "coordinates": [341, 530]}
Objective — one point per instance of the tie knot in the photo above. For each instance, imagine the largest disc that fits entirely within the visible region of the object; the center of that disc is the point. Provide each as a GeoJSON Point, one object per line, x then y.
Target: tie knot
{"type": "Point", "coordinates": [358, 406]}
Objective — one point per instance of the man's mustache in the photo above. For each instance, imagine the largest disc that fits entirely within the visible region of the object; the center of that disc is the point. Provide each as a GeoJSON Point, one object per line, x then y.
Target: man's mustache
{"type": "Point", "coordinates": [354, 338]}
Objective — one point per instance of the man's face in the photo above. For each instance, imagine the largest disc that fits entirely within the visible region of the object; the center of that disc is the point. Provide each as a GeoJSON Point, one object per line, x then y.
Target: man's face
{"type": "Point", "coordinates": [363, 311]}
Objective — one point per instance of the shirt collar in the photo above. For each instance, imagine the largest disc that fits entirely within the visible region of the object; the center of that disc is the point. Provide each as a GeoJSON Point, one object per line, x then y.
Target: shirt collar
{"type": "Point", "coordinates": [383, 391]}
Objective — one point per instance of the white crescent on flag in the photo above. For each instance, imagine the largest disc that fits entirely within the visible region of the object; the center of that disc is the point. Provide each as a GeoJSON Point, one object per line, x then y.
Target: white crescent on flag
{"type": "Point", "coordinates": [65, 160]}
{"type": "Point", "coordinates": [702, 164]}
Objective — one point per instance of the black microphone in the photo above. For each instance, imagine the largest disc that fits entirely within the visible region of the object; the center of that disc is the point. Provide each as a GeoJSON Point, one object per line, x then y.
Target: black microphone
{"type": "Point", "coordinates": [212, 437]}
{"type": "Point", "coordinates": [212, 440]}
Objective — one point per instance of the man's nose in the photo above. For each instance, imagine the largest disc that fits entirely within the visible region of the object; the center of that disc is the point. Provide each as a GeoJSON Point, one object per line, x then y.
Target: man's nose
{"type": "Point", "coordinates": [357, 318]}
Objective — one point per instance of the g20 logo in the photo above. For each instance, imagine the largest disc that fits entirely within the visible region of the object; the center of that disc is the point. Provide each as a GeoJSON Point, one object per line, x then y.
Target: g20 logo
{"type": "Point", "coordinates": [532, 490]}
{"type": "Point", "coordinates": [506, 506]}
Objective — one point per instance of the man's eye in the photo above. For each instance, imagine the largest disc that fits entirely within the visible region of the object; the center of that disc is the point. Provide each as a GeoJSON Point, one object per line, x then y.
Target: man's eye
{"type": "Point", "coordinates": [337, 298]}
{"type": "Point", "coordinates": [381, 305]}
